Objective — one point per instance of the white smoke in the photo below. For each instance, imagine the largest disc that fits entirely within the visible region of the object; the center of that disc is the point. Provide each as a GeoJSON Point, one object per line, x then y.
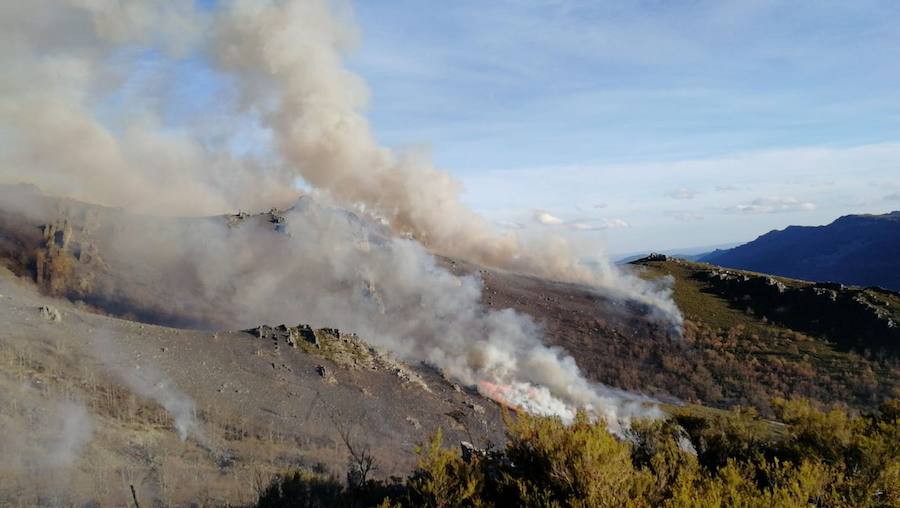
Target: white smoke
{"type": "Point", "coordinates": [42, 434]}
{"type": "Point", "coordinates": [61, 60]}
{"type": "Point", "coordinates": [289, 57]}
{"type": "Point", "coordinates": [146, 380]}
{"type": "Point", "coordinates": [64, 58]}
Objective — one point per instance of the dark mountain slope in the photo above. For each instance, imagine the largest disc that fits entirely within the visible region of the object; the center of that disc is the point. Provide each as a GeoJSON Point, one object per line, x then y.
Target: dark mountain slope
{"type": "Point", "coordinates": [855, 249]}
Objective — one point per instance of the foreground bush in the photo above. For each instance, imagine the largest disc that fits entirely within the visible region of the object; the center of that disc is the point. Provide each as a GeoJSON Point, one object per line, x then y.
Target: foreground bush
{"type": "Point", "coordinates": [813, 457]}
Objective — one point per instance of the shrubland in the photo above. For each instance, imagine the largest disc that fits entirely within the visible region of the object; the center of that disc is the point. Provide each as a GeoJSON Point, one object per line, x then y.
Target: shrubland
{"type": "Point", "coordinates": [812, 456]}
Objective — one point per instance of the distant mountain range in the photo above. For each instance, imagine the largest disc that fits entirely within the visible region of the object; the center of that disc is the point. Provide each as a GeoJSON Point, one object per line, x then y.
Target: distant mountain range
{"type": "Point", "coordinates": [855, 249]}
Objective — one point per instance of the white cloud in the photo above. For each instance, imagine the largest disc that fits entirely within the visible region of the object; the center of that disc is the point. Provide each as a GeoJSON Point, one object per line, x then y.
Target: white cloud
{"type": "Point", "coordinates": [580, 224]}
{"type": "Point", "coordinates": [597, 224]}
{"type": "Point", "coordinates": [547, 218]}
{"type": "Point", "coordinates": [775, 205]}
{"type": "Point", "coordinates": [636, 192]}
{"type": "Point", "coordinates": [682, 193]}
{"type": "Point", "coordinates": [893, 197]}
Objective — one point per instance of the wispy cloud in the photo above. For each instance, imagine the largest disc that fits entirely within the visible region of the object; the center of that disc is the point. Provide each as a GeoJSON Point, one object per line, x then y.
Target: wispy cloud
{"type": "Point", "coordinates": [597, 224]}
{"type": "Point", "coordinates": [545, 218]}
{"type": "Point", "coordinates": [893, 197]}
{"type": "Point", "coordinates": [510, 224]}
{"type": "Point", "coordinates": [775, 205]}
{"type": "Point", "coordinates": [684, 216]}
{"type": "Point", "coordinates": [762, 183]}
{"type": "Point", "coordinates": [682, 193]}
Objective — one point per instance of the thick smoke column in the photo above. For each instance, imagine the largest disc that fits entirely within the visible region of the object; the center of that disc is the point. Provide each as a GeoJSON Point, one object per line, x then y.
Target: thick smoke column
{"type": "Point", "coordinates": [289, 55]}
{"type": "Point", "coordinates": [57, 130]}
{"type": "Point", "coordinates": [62, 60]}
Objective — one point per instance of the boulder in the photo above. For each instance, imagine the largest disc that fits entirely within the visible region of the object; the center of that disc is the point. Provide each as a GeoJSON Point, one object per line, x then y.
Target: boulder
{"type": "Point", "coordinates": [50, 313]}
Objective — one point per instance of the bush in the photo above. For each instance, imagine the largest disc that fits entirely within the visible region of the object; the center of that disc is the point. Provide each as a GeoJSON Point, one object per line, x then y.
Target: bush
{"type": "Point", "coordinates": [814, 457]}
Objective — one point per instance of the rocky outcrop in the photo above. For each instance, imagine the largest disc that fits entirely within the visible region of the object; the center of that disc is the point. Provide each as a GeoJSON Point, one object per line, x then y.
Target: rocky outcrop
{"type": "Point", "coordinates": [287, 335]}
{"type": "Point", "coordinates": [344, 349]}
{"type": "Point", "coordinates": [58, 258]}
{"type": "Point", "coordinates": [855, 318]}
{"type": "Point", "coordinates": [275, 217]}
{"type": "Point", "coordinates": [652, 257]}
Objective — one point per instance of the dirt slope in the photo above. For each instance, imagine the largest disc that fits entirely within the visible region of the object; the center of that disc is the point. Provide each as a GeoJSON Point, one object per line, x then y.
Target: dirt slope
{"type": "Point", "coordinates": [76, 429]}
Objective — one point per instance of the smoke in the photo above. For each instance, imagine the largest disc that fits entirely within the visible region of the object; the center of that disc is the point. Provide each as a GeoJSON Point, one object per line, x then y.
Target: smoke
{"type": "Point", "coordinates": [71, 123]}
{"type": "Point", "coordinates": [146, 380]}
{"type": "Point", "coordinates": [41, 434]}
{"type": "Point", "coordinates": [289, 58]}
{"type": "Point", "coordinates": [62, 128]}
{"type": "Point", "coordinates": [322, 265]}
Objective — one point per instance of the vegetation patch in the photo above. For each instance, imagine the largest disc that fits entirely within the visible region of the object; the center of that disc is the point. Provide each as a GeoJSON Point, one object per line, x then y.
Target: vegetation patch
{"type": "Point", "coordinates": [823, 457]}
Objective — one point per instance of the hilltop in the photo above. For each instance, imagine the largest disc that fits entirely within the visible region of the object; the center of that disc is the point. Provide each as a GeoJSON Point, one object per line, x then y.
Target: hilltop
{"type": "Point", "coordinates": [855, 249]}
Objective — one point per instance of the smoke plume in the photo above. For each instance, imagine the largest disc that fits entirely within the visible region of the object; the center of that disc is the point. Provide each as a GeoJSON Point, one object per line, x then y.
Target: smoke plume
{"type": "Point", "coordinates": [146, 380]}
{"type": "Point", "coordinates": [43, 437]}
{"type": "Point", "coordinates": [71, 124]}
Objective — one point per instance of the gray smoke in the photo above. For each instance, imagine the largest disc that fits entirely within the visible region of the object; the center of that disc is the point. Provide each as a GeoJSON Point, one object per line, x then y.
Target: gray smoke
{"type": "Point", "coordinates": [42, 435]}
{"type": "Point", "coordinates": [146, 380]}
{"type": "Point", "coordinates": [325, 266]}
{"type": "Point", "coordinates": [63, 58]}
{"type": "Point", "coordinates": [288, 56]}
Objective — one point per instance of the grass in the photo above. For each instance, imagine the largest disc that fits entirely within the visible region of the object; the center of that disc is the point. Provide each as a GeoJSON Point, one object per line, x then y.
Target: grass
{"type": "Point", "coordinates": [775, 360]}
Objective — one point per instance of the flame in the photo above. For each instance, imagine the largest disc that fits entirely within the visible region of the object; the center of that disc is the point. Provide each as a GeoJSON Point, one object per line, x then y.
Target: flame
{"type": "Point", "coordinates": [527, 397]}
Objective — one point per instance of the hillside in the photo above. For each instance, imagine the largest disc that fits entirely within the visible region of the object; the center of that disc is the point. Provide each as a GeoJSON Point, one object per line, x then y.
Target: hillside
{"type": "Point", "coordinates": [855, 249]}
{"type": "Point", "coordinates": [749, 337]}
{"type": "Point", "coordinates": [99, 403]}
{"type": "Point", "coordinates": [729, 353]}
{"type": "Point", "coordinates": [146, 374]}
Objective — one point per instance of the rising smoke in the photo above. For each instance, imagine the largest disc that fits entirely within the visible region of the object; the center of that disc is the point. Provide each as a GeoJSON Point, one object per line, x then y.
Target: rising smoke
{"type": "Point", "coordinates": [44, 435]}
{"type": "Point", "coordinates": [146, 380]}
{"type": "Point", "coordinates": [69, 125]}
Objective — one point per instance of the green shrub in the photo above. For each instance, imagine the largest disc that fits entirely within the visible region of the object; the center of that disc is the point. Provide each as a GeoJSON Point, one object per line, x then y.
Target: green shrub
{"type": "Point", "coordinates": [813, 457]}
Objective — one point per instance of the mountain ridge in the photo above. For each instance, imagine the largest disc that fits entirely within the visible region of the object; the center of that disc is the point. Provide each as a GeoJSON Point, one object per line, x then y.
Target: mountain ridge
{"type": "Point", "coordinates": [861, 250]}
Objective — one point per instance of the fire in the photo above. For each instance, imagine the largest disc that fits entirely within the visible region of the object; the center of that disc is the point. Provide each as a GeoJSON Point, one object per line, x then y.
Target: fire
{"type": "Point", "coordinates": [527, 397]}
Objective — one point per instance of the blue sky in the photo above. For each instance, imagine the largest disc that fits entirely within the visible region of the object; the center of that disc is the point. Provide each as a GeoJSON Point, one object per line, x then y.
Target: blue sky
{"type": "Point", "coordinates": [646, 125]}
{"type": "Point", "coordinates": [659, 124]}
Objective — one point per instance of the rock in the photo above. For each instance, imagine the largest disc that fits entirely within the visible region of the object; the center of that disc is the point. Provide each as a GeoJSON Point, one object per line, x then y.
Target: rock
{"type": "Point", "coordinates": [457, 415]}
{"type": "Point", "coordinates": [414, 422]}
{"type": "Point", "coordinates": [51, 314]}
{"type": "Point", "coordinates": [306, 333]}
{"type": "Point", "coordinates": [262, 332]}
{"type": "Point", "coordinates": [470, 451]}
{"type": "Point", "coordinates": [320, 369]}
{"type": "Point", "coordinates": [289, 335]}
{"type": "Point", "coordinates": [236, 219]}
{"type": "Point", "coordinates": [285, 334]}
